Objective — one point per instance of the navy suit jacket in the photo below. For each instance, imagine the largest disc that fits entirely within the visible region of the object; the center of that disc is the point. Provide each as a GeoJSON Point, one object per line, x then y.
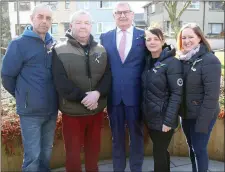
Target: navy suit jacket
{"type": "Point", "coordinates": [126, 77]}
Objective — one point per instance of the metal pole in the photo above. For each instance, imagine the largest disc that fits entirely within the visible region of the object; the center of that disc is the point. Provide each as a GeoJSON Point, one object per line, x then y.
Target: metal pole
{"type": "Point", "coordinates": [18, 16]}
{"type": "Point", "coordinates": [203, 28]}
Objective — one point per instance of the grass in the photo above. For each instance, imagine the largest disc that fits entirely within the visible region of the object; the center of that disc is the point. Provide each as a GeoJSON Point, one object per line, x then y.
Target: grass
{"type": "Point", "coordinates": [220, 55]}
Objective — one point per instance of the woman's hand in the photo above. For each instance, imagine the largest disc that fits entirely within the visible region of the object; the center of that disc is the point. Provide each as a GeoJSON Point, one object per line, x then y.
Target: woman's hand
{"type": "Point", "coordinates": [165, 128]}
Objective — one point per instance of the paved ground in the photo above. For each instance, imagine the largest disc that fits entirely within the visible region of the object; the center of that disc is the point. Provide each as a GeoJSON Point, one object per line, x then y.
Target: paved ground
{"type": "Point", "coordinates": [177, 164]}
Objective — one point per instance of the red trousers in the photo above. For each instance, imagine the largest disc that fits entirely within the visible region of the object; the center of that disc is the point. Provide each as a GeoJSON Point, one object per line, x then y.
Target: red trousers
{"type": "Point", "coordinates": [78, 131]}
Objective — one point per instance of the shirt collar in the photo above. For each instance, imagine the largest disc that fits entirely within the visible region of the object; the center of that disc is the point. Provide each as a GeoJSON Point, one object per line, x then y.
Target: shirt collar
{"type": "Point", "coordinates": [129, 30]}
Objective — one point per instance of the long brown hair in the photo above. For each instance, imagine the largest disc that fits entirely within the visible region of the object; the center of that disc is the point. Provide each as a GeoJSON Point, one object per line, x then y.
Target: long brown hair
{"type": "Point", "coordinates": [197, 31]}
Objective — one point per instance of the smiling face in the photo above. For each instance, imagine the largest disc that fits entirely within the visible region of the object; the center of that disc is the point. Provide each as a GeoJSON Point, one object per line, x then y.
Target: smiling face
{"type": "Point", "coordinates": [123, 16]}
{"type": "Point", "coordinates": [189, 39]}
{"type": "Point", "coordinates": [153, 42]}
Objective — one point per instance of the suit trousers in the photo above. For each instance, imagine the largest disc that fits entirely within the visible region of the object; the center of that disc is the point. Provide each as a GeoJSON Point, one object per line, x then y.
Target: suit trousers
{"type": "Point", "coordinates": [81, 131]}
{"type": "Point", "coordinates": [119, 116]}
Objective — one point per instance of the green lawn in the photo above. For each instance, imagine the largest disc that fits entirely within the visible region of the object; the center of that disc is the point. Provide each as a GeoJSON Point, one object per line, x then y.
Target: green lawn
{"type": "Point", "coordinates": [220, 55]}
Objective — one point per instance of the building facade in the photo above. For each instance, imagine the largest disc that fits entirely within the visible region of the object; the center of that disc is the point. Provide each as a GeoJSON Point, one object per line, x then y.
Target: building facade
{"type": "Point", "coordinates": [61, 15]}
{"type": "Point", "coordinates": [209, 15]}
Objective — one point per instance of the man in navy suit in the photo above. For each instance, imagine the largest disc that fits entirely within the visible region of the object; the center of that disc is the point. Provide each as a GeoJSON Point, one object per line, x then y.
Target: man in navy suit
{"type": "Point", "coordinates": [125, 48]}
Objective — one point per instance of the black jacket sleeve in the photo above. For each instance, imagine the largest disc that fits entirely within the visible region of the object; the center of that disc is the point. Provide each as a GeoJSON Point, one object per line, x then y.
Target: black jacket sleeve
{"type": "Point", "coordinates": [105, 83]}
{"type": "Point", "coordinates": [64, 86]}
{"type": "Point", "coordinates": [211, 73]}
{"type": "Point", "coordinates": [175, 86]}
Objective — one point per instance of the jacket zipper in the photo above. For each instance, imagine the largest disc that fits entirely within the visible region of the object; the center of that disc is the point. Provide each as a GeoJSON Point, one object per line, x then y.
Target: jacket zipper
{"type": "Point", "coordinates": [26, 100]}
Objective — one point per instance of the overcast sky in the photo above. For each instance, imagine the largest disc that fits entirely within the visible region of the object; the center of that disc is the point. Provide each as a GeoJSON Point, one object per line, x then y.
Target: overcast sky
{"type": "Point", "coordinates": [137, 6]}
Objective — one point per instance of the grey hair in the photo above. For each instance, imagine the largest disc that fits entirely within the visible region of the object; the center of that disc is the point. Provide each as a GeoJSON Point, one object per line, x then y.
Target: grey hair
{"type": "Point", "coordinates": [122, 3]}
{"type": "Point", "coordinates": [79, 13]}
{"type": "Point", "coordinates": [40, 6]}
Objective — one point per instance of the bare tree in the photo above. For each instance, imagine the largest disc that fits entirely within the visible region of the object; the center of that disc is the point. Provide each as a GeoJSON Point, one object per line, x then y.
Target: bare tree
{"type": "Point", "coordinates": [175, 14]}
{"type": "Point", "coordinates": [4, 25]}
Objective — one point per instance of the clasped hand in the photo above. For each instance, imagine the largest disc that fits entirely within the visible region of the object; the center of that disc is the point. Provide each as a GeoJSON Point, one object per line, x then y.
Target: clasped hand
{"type": "Point", "coordinates": [91, 100]}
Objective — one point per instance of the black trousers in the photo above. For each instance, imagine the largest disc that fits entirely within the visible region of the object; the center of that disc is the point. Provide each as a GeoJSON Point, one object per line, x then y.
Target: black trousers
{"type": "Point", "coordinates": [161, 141]}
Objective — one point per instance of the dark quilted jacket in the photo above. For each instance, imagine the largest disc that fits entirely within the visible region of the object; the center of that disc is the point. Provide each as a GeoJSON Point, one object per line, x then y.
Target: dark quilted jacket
{"type": "Point", "coordinates": [162, 90]}
{"type": "Point", "coordinates": [201, 88]}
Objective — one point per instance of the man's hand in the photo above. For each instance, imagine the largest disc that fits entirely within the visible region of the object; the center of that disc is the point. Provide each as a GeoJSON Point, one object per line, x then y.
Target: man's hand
{"type": "Point", "coordinates": [91, 100]}
{"type": "Point", "coordinates": [165, 128]}
{"type": "Point", "coordinates": [93, 107]}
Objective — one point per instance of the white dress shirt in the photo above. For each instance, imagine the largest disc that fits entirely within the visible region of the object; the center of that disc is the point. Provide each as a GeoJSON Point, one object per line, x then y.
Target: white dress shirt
{"type": "Point", "coordinates": [129, 39]}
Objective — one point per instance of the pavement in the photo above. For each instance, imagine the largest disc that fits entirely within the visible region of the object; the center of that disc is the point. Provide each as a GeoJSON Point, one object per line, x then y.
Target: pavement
{"type": "Point", "coordinates": [178, 164]}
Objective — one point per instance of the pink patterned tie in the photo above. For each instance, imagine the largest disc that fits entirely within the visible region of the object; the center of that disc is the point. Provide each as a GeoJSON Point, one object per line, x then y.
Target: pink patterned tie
{"type": "Point", "coordinates": [122, 46]}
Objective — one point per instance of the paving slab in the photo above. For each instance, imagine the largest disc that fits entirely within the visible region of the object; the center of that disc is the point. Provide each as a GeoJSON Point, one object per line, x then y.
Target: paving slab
{"type": "Point", "coordinates": [177, 164]}
{"type": "Point", "coordinates": [216, 166]}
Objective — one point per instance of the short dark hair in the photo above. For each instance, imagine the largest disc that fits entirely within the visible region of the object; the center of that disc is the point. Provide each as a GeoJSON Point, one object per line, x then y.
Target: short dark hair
{"type": "Point", "coordinates": [157, 31]}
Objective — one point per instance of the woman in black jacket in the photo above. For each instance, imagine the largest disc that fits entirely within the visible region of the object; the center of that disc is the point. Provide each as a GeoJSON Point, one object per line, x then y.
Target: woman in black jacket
{"type": "Point", "coordinates": [200, 106]}
{"type": "Point", "coordinates": [162, 91]}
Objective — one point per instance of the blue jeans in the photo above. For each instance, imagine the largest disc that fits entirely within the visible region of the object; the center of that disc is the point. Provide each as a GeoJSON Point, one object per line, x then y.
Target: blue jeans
{"type": "Point", "coordinates": [38, 136]}
{"type": "Point", "coordinates": [197, 143]}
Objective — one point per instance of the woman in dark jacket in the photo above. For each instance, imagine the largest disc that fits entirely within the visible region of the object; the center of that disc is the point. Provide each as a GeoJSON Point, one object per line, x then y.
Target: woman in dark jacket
{"type": "Point", "coordinates": [200, 106]}
{"type": "Point", "coordinates": [162, 92]}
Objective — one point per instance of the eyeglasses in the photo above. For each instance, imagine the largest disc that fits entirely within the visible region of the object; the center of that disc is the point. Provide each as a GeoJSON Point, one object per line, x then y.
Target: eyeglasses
{"type": "Point", "coordinates": [119, 13]}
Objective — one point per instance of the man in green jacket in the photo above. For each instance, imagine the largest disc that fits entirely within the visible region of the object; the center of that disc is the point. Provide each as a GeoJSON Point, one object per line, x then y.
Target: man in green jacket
{"type": "Point", "coordinates": [83, 78]}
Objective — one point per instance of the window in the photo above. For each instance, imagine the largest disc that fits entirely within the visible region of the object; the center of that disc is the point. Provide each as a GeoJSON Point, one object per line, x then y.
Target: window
{"type": "Point", "coordinates": [215, 28]}
{"type": "Point", "coordinates": [104, 27]}
{"type": "Point", "coordinates": [54, 28]}
{"type": "Point", "coordinates": [66, 26]}
{"type": "Point", "coordinates": [152, 8]}
{"type": "Point", "coordinates": [83, 5]}
{"type": "Point", "coordinates": [216, 5]}
{"type": "Point", "coordinates": [52, 4]}
{"type": "Point", "coordinates": [22, 27]}
{"type": "Point", "coordinates": [194, 6]}
{"type": "Point", "coordinates": [23, 6]}
{"type": "Point", "coordinates": [67, 4]}
{"type": "Point", "coordinates": [86, 5]}
{"type": "Point", "coordinates": [105, 4]}
{"type": "Point", "coordinates": [99, 27]}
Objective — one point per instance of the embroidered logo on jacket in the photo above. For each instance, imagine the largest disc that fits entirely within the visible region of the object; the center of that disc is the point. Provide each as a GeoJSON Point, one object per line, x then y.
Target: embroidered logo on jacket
{"type": "Point", "coordinates": [97, 57]}
{"type": "Point", "coordinates": [180, 82]}
{"type": "Point", "coordinates": [157, 66]}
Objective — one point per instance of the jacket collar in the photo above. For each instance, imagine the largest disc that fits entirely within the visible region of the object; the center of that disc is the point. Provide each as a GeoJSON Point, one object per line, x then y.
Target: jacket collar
{"type": "Point", "coordinates": [74, 42]}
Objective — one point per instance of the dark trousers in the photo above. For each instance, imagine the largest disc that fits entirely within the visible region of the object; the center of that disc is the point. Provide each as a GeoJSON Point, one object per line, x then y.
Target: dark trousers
{"type": "Point", "coordinates": [119, 115]}
{"type": "Point", "coordinates": [78, 131]}
{"type": "Point", "coordinates": [161, 141]}
{"type": "Point", "coordinates": [197, 143]}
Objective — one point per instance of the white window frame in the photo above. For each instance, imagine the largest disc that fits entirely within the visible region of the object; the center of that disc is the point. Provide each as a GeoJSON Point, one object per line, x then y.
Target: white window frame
{"type": "Point", "coordinates": [153, 8]}
{"type": "Point", "coordinates": [103, 25]}
{"type": "Point", "coordinates": [99, 23]}
{"type": "Point", "coordinates": [51, 3]}
{"type": "Point", "coordinates": [196, 3]}
{"type": "Point", "coordinates": [57, 31]}
{"type": "Point", "coordinates": [67, 4]}
{"type": "Point", "coordinates": [214, 9]}
{"type": "Point", "coordinates": [86, 5]}
{"type": "Point", "coordinates": [110, 6]}
{"type": "Point", "coordinates": [212, 29]}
